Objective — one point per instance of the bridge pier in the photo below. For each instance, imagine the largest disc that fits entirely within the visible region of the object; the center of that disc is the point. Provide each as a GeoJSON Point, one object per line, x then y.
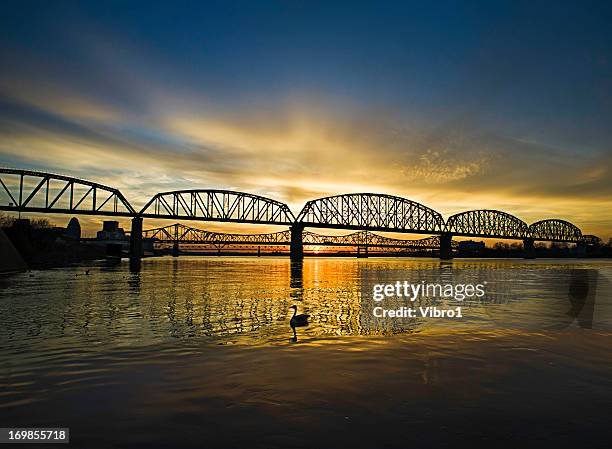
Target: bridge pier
{"type": "Point", "coordinates": [136, 243]}
{"type": "Point", "coordinates": [581, 249]}
{"type": "Point", "coordinates": [363, 254]}
{"type": "Point", "coordinates": [175, 249]}
{"type": "Point", "coordinates": [296, 249]}
{"type": "Point", "coordinates": [529, 249]}
{"type": "Point", "coordinates": [446, 247]}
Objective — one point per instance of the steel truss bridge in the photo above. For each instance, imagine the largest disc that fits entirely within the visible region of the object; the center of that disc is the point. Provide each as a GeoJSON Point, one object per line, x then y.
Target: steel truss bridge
{"type": "Point", "coordinates": [40, 192]}
{"type": "Point", "coordinates": [179, 233]}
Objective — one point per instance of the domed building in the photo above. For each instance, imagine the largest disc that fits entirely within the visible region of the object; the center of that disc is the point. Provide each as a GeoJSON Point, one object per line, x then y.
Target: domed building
{"type": "Point", "coordinates": [73, 230]}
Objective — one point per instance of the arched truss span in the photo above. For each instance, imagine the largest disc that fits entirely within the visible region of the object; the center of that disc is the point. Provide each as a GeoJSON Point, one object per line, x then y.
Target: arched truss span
{"type": "Point", "coordinates": [371, 211]}
{"type": "Point", "coordinates": [487, 223]}
{"type": "Point", "coordinates": [555, 230]}
{"type": "Point", "coordinates": [591, 240]}
{"type": "Point", "coordinates": [218, 205]}
{"type": "Point", "coordinates": [32, 191]}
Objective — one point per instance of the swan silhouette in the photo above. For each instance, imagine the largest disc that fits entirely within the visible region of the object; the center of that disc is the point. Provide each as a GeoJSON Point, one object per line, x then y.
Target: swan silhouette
{"type": "Point", "coordinates": [298, 320]}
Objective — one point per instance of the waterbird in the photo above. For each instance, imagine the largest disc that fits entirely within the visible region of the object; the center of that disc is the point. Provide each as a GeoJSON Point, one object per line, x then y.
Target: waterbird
{"type": "Point", "coordinates": [86, 272]}
{"type": "Point", "coordinates": [298, 320]}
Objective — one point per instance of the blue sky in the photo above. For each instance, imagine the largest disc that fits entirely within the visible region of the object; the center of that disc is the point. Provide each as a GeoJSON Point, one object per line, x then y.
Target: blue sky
{"type": "Point", "coordinates": [506, 105]}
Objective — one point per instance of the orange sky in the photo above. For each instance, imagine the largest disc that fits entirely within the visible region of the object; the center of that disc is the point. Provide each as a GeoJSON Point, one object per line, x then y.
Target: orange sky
{"type": "Point", "coordinates": [307, 154]}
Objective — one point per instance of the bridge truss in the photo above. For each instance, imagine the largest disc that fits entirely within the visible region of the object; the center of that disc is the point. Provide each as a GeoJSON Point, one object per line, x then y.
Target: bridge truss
{"type": "Point", "coordinates": [591, 240]}
{"type": "Point", "coordinates": [31, 191]}
{"type": "Point", "coordinates": [487, 224]}
{"type": "Point", "coordinates": [179, 233]}
{"type": "Point", "coordinates": [217, 205]}
{"type": "Point", "coordinates": [555, 230]}
{"type": "Point", "coordinates": [372, 212]}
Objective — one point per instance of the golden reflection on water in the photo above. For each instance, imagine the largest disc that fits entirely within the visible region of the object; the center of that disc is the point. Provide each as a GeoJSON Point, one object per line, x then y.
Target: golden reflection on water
{"type": "Point", "coordinates": [247, 300]}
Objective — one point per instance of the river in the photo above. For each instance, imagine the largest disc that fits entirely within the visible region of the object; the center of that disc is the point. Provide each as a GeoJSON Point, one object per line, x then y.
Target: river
{"type": "Point", "coordinates": [198, 352]}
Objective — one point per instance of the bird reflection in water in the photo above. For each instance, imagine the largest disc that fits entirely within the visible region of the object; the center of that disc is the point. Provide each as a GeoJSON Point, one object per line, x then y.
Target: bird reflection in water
{"type": "Point", "coordinates": [296, 320]}
{"type": "Point", "coordinates": [297, 290]}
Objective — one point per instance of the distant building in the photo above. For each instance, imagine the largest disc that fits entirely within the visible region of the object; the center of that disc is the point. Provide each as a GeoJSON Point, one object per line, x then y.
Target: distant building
{"type": "Point", "coordinates": [470, 247]}
{"type": "Point", "coordinates": [111, 231]}
{"type": "Point", "coordinates": [73, 230]}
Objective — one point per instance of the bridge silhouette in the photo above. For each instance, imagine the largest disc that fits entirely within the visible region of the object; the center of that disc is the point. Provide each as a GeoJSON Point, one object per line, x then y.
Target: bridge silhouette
{"type": "Point", "coordinates": [32, 191]}
{"type": "Point", "coordinates": [179, 234]}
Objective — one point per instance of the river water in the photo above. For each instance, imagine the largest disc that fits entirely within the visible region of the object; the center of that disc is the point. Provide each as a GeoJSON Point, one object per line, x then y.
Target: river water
{"type": "Point", "coordinates": [198, 352]}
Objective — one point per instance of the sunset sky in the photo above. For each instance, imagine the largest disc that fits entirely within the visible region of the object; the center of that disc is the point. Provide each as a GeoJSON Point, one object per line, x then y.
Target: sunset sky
{"type": "Point", "coordinates": [455, 105]}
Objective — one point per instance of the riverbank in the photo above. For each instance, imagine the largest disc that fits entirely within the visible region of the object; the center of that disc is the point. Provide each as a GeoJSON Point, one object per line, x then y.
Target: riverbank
{"type": "Point", "coordinates": [48, 248]}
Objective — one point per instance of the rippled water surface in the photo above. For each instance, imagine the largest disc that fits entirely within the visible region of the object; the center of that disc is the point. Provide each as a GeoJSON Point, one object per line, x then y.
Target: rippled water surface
{"type": "Point", "coordinates": [198, 352]}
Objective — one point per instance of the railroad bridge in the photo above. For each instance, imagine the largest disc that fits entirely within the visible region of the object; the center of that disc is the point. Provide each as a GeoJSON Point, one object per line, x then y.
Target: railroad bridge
{"type": "Point", "coordinates": [365, 213]}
